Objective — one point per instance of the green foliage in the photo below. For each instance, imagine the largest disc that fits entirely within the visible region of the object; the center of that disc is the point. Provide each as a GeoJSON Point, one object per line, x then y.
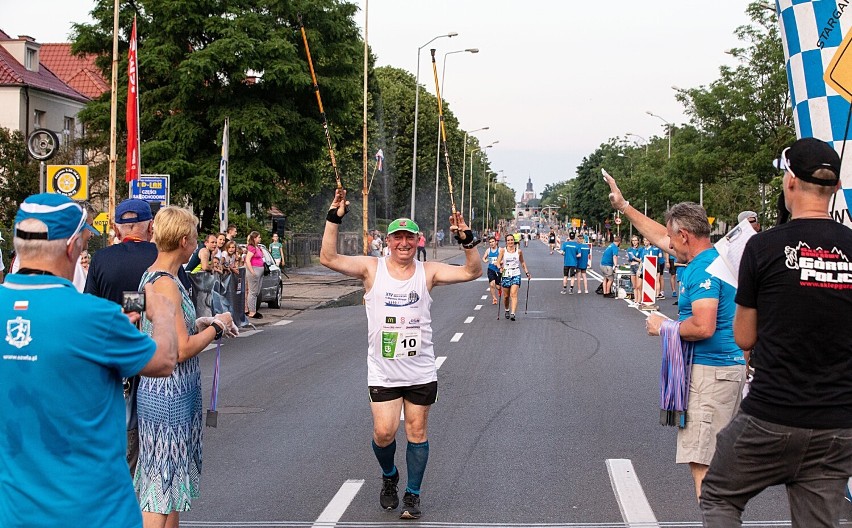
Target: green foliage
{"type": "Point", "coordinates": [201, 61]}
{"type": "Point", "coordinates": [18, 174]}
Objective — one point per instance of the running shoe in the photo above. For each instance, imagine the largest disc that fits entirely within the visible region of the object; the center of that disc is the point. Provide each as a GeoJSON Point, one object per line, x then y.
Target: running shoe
{"type": "Point", "coordinates": [563, 291]}
{"type": "Point", "coordinates": [674, 303]}
{"type": "Point", "coordinates": [507, 314]}
{"type": "Point", "coordinates": [493, 301]}
{"type": "Point", "coordinates": [410, 506]}
{"type": "Point", "coordinates": [389, 499]}
{"type": "Point", "coordinates": [512, 317]}
{"type": "Point", "coordinates": [571, 291]}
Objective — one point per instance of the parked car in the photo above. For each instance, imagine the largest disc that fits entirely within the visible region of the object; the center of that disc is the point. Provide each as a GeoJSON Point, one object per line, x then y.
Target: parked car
{"type": "Point", "coordinates": [271, 286]}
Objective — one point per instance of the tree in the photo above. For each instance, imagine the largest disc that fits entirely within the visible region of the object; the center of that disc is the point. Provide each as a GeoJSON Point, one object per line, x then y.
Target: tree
{"type": "Point", "coordinates": [200, 62]}
{"type": "Point", "coordinates": [18, 174]}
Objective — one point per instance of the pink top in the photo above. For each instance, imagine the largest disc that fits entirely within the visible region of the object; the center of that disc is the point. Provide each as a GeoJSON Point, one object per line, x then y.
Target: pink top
{"type": "Point", "coordinates": [421, 242]}
{"type": "Point", "coordinates": [256, 256]}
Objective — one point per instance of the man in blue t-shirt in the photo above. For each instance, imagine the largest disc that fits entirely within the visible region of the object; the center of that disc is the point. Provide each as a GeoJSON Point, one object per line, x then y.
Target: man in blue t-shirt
{"type": "Point", "coordinates": [609, 261]}
{"type": "Point", "coordinates": [62, 445]}
{"type": "Point", "coordinates": [582, 264]}
{"type": "Point", "coordinates": [570, 251]}
{"type": "Point", "coordinates": [706, 314]}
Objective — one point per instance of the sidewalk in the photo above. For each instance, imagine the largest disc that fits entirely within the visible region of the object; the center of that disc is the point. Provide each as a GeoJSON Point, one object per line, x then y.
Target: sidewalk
{"type": "Point", "coordinates": [317, 287]}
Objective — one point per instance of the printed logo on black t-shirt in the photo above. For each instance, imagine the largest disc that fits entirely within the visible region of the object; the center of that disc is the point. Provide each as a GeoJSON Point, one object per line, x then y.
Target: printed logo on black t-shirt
{"type": "Point", "coordinates": [820, 268]}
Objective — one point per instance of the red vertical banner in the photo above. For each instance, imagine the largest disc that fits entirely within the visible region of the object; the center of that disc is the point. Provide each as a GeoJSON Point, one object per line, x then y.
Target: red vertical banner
{"type": "Point", "coordinates": [133, 161]}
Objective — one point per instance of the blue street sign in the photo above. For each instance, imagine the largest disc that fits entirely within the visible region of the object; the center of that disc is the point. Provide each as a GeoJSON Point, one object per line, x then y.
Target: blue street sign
{"type": "Point", "coordinates": [151, 188]}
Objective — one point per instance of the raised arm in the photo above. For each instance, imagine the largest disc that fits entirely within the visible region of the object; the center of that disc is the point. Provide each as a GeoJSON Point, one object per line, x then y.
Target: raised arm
{"type": "Point", "coordinates": [655, 231]}
{"type": "Point", "coordinates": [353, 266]}
{"type": "Point", "coordinates": [440, 273]}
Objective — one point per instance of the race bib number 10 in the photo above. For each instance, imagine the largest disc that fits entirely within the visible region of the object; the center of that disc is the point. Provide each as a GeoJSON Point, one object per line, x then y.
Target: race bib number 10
{"type": "Point", "coordinates": [401, 344]}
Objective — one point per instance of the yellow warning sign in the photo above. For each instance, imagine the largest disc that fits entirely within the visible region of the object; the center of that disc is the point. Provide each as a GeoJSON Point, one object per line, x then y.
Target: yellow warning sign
{"type": "Point", "coordinates": [69, 180]}
{"type": "Point", "coordinates": [101, 222]}
{"type": "Point", "coordinates": [711, 219]}
{"type": "Point", "coordinates": [838, 75]}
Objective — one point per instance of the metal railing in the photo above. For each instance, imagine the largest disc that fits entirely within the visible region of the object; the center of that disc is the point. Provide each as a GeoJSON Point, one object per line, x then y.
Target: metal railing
{"type": "Point", "coordinates": [302, 250]}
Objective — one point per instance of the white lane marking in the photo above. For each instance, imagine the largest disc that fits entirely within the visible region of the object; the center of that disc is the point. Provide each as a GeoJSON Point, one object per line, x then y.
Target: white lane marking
{"type": "Point", "coordinates": [468, 320]}
{"type": "Point", "coordinates": [438, 362]}
{"type": "Point", "coordinates": [246, 333]}
{"type": "Point", "coordinates": [282, 322]}
{"type": "Point", "coordinates": [484, 297]}
{"type": "Point", "coordinates": [341, 500]}
{"type": "Point", "coordinates": [632, 501]}
{"type": "Point", "coordinates": [477, 307]}
{"type": "Point", "coordinates": [456, 338]}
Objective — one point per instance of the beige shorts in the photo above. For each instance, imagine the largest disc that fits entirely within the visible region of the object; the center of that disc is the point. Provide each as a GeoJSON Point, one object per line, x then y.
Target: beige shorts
{"type": "Point", "coordinates": [607, 271]}
{"type": "Point", "coordinates": [714, 397]}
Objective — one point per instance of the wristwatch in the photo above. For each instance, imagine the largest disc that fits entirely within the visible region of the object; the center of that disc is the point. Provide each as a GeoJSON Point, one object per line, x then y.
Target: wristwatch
{"type": "Point", "coordinates": [220, 329]}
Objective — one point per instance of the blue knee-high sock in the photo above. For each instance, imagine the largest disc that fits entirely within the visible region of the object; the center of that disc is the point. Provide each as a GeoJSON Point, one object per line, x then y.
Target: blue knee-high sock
{"type": "Point", "coordinates": [385, 457]}
{"type": "Point", "coordinates": [416, 456]}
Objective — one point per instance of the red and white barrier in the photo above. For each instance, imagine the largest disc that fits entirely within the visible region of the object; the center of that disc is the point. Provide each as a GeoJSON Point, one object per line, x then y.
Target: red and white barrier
{"type": "Point", "coordinates": [649, 282]}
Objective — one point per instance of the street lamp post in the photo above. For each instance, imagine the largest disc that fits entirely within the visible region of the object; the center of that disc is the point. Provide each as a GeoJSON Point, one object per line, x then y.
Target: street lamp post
{"type": "Point", "coordinates": [470, 199]}
{"type": "Point", "coordinates": [640, 137]}
{"type": "Point", "coordinates": [669, 127]}
{"type": "Point", "coordinates": [487, 218]}
{"type": "Point", "coordinates": [416, 117]}
{"type": "Point", "coordinates": [464, 159]}
{"type": "Point", "coordinates": [438, 150]}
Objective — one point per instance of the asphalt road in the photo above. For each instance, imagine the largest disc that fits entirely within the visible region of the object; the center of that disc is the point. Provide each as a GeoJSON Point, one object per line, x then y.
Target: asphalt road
{"type": "Point", "coordinates": [551, 419]}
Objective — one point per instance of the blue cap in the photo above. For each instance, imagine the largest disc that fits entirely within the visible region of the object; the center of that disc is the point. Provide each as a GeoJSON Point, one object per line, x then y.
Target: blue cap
{"type": "Point", "coordinates": [63, 217]}
{"type": "Point", "coordinates": [140, 209]}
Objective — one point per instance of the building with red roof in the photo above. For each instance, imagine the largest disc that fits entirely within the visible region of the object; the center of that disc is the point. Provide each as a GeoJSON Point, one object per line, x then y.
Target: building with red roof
{"type": "Point", "coordinates": [32, 95]}
{"type": "Point", "coordinates": [77, 71]}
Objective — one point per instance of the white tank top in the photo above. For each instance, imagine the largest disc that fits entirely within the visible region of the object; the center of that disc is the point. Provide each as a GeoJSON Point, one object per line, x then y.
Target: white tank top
{"type": "Point", "coordinates": [511, 263]}
{"type": "Point", "coordinates": [399, 330]}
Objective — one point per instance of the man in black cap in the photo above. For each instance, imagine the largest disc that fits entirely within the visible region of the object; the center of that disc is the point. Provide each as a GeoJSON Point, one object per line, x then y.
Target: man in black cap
{"type": "Point", "coordinates": [119, 268]}
{"type": "Point", "coordinates": [793, 303]}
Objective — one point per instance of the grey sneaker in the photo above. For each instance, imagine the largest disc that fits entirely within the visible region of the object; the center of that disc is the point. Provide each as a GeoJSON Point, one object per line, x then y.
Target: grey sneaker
{"type": "Point", "coordinates": [389, 499]}
{"type": "Point", "coordinates": [410, 506]}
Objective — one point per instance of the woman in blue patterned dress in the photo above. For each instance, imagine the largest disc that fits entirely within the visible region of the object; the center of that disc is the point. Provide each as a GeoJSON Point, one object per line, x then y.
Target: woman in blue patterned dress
{"type": "Point", "coordinates": [170, 423]}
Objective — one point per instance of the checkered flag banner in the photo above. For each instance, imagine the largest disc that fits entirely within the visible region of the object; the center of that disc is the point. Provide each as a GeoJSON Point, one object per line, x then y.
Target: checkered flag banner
{"type": "Point", "coordinates": [811, 32]}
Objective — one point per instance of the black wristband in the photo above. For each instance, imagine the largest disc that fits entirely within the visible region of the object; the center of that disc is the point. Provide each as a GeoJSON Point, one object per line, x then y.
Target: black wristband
{"type": "Point", "coordinates": [332, 216]}
{"type": "Point", "coordinates": [468, 237]}
{"type": "Point", "coordinates": [472, 244]}
{"type": "Point", "coordinates": [220, 329]}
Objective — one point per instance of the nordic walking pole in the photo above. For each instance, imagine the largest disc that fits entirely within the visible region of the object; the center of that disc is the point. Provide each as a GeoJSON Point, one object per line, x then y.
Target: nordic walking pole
{"type": "Point", "coordinates": [443, 132]}
{"type": "Point", "coordinates": [499, 296]}
{"type": "Point", "coordinates": [527, 302]}
{"type": "Point", "coordinates": [319, 101]}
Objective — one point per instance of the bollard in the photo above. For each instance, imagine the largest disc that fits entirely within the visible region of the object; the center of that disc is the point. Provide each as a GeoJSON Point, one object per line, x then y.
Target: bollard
{"type": "Point", "coordinates": [649, 283]}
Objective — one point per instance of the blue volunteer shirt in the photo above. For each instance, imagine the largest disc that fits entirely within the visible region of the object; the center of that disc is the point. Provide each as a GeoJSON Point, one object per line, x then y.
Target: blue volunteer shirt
{"type": "Point", "coordinates": [583, 261]}
{"type": "Point", "coordinates": [62, 435]}
{"type": "Point", "coordinates": [570, 248]}
{"type": "Point", "coordinates": [609, 254]}
{"type": "Point", "coordinates": [634, 253]}
{"type": "Point", "coordinates": [719, 350]}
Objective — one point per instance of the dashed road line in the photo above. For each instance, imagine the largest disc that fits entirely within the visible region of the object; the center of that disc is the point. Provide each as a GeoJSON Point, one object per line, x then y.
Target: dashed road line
{"type": "Point", "coordinates": [341, 500]}
{"type": "Point", "coordinates": [457, 337]}
{"type": "Point", "coordinates": [477, 307]}
{"type": "Point", "coordinates": [469, 320]}
{"type": "Point", "coordinates": [282, 322]}
{"type": "Point", "coordinates": [632, 501]}
{"type": "Point", "coordinates": [484, 297]}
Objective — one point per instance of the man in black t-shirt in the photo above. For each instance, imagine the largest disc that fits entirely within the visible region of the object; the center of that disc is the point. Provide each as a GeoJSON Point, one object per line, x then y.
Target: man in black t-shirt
{"type": "Point", "coordinates": [793, 303]}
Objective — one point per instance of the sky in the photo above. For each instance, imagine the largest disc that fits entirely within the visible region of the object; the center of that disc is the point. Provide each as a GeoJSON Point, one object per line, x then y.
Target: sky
{"type": "Point", "coordinates": [553, 79]}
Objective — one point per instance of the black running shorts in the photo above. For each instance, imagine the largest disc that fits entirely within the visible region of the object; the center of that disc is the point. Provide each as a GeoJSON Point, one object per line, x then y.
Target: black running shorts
{"type": "Point", "coordinates": [425, 394]}
{"type": "Point", "coordinates": [493, 276]}
{"type": "Point", "coordinates": [569, 271]}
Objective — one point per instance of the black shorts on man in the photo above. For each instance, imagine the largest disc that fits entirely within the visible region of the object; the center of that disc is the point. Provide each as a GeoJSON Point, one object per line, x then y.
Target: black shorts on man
{"type": "Point", "coordinates": [569, 271]}
{"type": "Point", "coordinates": [425, 394]}
{"type": "Point", "coordinates": [493, 276]}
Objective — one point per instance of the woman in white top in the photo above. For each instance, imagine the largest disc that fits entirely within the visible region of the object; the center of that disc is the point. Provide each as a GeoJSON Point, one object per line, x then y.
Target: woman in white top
{"type": "Point", "coordinates": [510, 262]}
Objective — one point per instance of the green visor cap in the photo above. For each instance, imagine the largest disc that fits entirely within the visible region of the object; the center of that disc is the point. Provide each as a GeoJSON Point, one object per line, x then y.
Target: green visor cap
{"type": "Point", "coordinates": [403, 224]}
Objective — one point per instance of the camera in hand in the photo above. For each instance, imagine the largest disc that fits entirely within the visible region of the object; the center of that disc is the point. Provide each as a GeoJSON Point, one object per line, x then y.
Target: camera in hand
{"type": "Point", "coordinates": [133, 302]}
